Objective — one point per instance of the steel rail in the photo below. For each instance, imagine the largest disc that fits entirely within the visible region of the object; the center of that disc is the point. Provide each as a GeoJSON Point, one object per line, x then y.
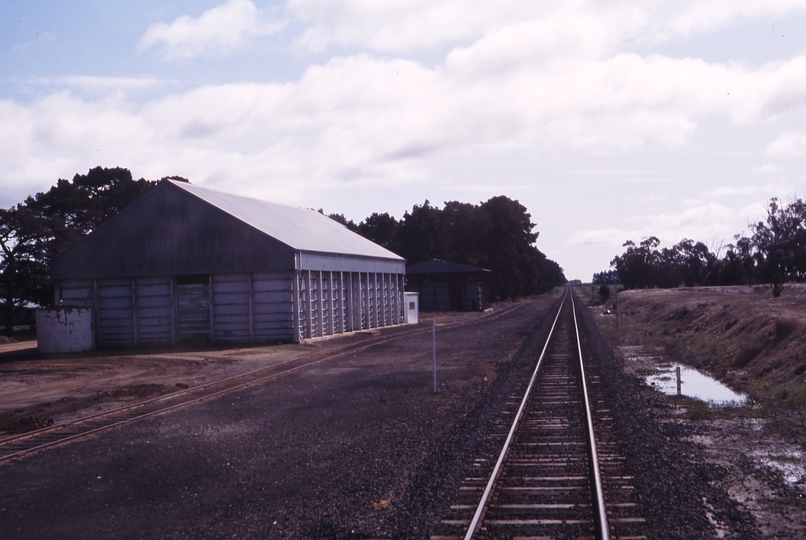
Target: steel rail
{"type": "Point", "coordinates": [118, 411]}
{"type": "Point", "coordinates": [303, 361]}
{"type": "Point", "coordinates": [194, 389]}
{"type": "Point", "coordinates": [600, 522]}
{"type": "Point", "coordinates": [601, 514]}
{"type": "Point", "coordinates": [178, 405]}
{"type": "Point", "coordinates": [474, 523]}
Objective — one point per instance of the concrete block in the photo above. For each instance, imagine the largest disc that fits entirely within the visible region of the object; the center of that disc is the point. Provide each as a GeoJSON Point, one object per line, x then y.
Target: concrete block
{"type": "Point", "coordinates": [64, 329]}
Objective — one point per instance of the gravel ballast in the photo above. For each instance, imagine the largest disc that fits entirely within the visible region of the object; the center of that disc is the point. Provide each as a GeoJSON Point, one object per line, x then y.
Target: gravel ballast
{"type": "Point", "coordinates": [355, 447]}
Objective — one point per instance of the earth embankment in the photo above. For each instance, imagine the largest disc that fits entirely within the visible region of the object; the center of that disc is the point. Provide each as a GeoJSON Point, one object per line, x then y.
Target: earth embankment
{"type": "Point", "coordinates": [756, 344]}
{"type": "Point", "coordinates": [744, 336]}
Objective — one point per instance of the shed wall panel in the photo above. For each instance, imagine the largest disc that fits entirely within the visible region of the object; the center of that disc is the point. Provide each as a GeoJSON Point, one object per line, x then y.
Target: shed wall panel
{"type": "Point", "coordinates": [433, 296]}
{"type": "Point", "coordinates": [193, 312]}
{"type": "Point", "coordinates": [77, 293]}
{"type": "Point", "coordinates": [257, 306]}
{"type": "Point", "coordinates": [272, 306]}
{"type": "Point", "coordinates": [116, 314]}
{"type": "Point", "coordinates": [272, 297]}
{"type": "Point", "coordinates": [323, 262]}
{"type": "Point", "coordinates": [336, 302]}
{"type": "Point", "coordinates": [231, 307]}
{"type": "Point", "coordinates": [154, 310]}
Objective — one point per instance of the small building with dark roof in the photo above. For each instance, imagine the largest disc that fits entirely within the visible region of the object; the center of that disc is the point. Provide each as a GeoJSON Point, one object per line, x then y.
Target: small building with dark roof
{"type": "Point", "coordinates": [189, 264]}
{"type": "Point", "coordinates": [447, 286]}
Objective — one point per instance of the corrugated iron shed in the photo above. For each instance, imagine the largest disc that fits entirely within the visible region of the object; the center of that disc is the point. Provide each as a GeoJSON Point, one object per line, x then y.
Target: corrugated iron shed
{"type": "Point", "coordinates": [299, 228]}
{"type": "Point", "coordinates": [444, 286]}
{"type": "Point", "coordinates": [180, 229]}
{"type": "Point", "coordinates": [185, 263]}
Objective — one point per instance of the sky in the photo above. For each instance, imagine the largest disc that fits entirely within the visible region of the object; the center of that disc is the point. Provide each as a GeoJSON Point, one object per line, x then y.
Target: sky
{"type": "Point", "coordinates": [608, 121]}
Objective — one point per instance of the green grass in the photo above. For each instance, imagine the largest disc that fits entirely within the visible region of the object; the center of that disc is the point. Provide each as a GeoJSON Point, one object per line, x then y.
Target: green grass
{"type": "Point", "coordinates": [777, 397]}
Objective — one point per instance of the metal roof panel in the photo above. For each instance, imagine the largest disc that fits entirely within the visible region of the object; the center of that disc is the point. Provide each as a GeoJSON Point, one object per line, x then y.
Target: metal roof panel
{"type": "Point", "coordinates": [299, 228]}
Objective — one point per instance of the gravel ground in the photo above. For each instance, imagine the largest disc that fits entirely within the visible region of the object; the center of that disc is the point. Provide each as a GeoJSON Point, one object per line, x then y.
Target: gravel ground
{"type": "Point", "coordinates": [757, 448]}
{"type": "Point", "coordinates": [675, 484]}
{"type": "Point", "coordinates": [356, 447]}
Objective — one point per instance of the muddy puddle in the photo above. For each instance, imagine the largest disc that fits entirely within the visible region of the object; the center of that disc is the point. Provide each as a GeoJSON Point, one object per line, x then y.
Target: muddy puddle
{"type": "Point", "coordinates": [788, 461]}
{"type": "Point", "coordinates": [693, 384]}
{"type": "Point", "coordinates": [650, 365]}
{"type": "Point", "coordinates": [765, 475]}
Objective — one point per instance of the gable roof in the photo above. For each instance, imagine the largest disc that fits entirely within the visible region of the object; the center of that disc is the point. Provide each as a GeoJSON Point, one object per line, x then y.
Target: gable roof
{"type": "Point", "coordinates": [179, 229]}
{"type": "Point", "coordinates": [437, 266]}
{"type": "Point", "coordinates": [299, 228]}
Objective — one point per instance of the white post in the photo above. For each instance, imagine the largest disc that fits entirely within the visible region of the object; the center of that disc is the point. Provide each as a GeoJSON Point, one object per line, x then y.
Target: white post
{"type": "Point", "coordinates": [308, 306]}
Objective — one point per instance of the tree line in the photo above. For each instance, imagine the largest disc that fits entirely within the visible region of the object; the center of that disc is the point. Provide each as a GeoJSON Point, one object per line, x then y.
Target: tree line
{"type": "Point", "coordinates": [496, 234]}
{"type": "Point", "coordinates": [775, 253]}
{"type": "Point", "coordinates": [36, 229]}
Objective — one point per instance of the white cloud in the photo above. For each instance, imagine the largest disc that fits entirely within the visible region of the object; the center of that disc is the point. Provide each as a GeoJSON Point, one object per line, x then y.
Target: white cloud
{"type": "Point", "coordinates": [527, 80]}
{"type": "Point", "coordinates": [608, 237]}
{"type": "Point", "coordinates": [362, 119]}
{"type": "Point", "coordinates": [699, 214]}
{"type": "Point", "coordinates": [768, 168]}
{"type": "Point", "coordinates": [399, 26]}
{"type": "Point", "coordinates": [44, 41]}
{"type": "Point", "coordinates": [697, 16]}
{"type": "Point", "coordinates": [709, 222]}
{"type": "Point", "coordinates": [761, 190]}
{"type": "Point", "coordinates": [217, 31]}
{"type": "Point", "coordinates": [408, 25]}
{"type": "Point", "coordinates": [787, 145]}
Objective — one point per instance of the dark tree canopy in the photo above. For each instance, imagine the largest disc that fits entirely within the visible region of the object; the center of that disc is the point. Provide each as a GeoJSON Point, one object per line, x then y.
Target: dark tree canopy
{"type": "Point", "coordinates": [605, 277]}
{"type": "Point", "coordinates": [780, 242]}
{"type": "Point", "coordinates": [419, 236]}
{"type": "Point", "coordinates": [339, 218]}
{"type": "Point", "coordinates": [466, 230]}
{"type": "Point", "coordinates": [380, 228]}
{"type": "Point", "coordinates": [496, 234]}
{"type": "Point", "coordinates": [34, 231]}
{"type": "Point", "coordinates": [774, 254]}
{"type": "Point", "coordinates": [23, 272]}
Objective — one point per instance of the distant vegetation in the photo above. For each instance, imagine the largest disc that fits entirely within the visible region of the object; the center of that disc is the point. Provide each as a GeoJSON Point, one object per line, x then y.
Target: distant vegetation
{"type": "Point", "coordinates": [496, 234]}
{"type": "Point", "coordinates": [775, 253]}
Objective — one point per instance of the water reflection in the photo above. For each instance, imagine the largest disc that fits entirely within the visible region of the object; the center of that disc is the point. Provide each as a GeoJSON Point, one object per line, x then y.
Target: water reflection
{"type": "Point", "coordinates": [693, 384]}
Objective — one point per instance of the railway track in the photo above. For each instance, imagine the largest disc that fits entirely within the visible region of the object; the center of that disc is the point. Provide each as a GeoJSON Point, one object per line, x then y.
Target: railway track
{"type": "Point", "coordinates": [23, 444]}
{"type": "Point", "coordinates": [559, 473]}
